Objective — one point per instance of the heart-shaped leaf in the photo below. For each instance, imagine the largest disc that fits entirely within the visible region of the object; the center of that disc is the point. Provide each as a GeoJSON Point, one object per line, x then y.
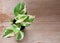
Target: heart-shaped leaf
{"type": "Point", "coordinates": [7, 32]}
{"type": "Point", "coordinates": [20, 35]}
{"type": "Point", "coordinates": [19, 9]}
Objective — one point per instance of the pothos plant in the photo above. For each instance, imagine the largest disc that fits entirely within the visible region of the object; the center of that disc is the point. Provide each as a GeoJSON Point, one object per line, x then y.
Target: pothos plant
{"type": "Point", "coordinates": [18, 24]}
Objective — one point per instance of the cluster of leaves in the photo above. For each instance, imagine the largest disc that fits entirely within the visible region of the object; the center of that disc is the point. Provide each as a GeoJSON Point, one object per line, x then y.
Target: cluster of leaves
{"type": "Point", "coordinates": [19, 23]}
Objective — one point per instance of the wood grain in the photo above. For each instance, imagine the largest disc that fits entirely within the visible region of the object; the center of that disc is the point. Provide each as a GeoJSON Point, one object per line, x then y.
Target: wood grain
{"type": "Point", "coordinates": [45, 28]}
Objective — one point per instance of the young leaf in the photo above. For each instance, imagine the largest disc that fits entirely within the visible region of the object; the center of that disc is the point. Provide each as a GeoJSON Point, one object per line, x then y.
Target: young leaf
{"type": "Point", "coordinates": [22, 6]}
{"type": "Point", "coordinates": [20, 35]}
{"type": "Point", "coordinates": [7, 32]}
{"type": "Point", "coordinates": [19, 7]}
{"type": "Point", "coordinates": [23, 11]}
{"type": "Point", "coordinates": [16, 9]}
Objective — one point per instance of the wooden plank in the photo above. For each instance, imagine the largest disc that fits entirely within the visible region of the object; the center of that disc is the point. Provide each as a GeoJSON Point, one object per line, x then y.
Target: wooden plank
{"type": "Point", "coordinates": [45, 28]}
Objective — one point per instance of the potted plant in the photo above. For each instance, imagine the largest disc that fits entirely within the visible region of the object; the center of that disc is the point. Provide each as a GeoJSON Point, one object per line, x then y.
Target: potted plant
{"type": "Point", "coordinates": [18, 24]}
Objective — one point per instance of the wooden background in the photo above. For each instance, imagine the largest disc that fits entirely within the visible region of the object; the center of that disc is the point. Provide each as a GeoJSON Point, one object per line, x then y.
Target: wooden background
{"type": "Point", "coordinates": [45, 28]}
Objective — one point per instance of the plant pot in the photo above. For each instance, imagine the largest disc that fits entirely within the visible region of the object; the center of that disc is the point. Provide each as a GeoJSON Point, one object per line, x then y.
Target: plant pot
{"type": "Point", "coordinates": [22, 27]}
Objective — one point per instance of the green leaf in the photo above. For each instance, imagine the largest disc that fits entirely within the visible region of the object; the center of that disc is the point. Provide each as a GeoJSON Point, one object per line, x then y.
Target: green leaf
{"type": "Point", "coordinates": [22, 12]}
{"type": "Point", "coordinates": [21, 18]}
{"type": "Point", "coordinates": [18, 25]}
{"type": "Point", "coordinates": [26, 24]}
{"type": "Point", "coordinates": [18, 9]}
{"type": "Point", "coordinates": [20, 35]}
{"type": "Point", "coordinates": [22, 6]}
{"type": "Point", "coordinates": [7, 32]}
{"type": "Point", "coordinates": [30, 18]}
{"type": "Point", "coordinates": [15, 29]}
